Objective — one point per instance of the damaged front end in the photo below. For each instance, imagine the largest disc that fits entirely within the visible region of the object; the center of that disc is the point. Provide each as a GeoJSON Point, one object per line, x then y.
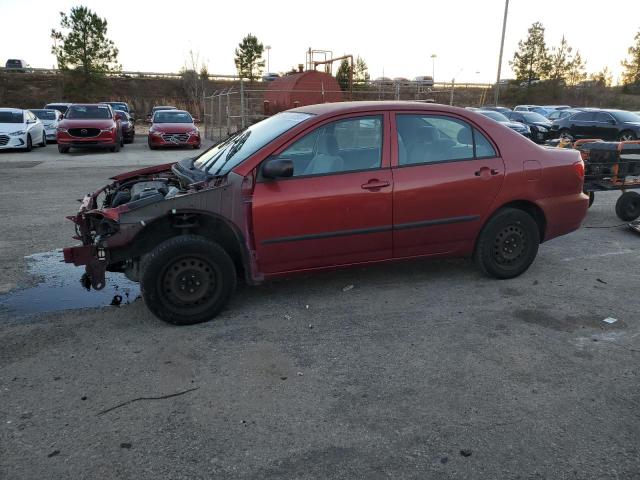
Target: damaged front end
{"type": "Point", "coordinates": [98, 224]}
{"type": "Point", "coordinates": [120, 223]}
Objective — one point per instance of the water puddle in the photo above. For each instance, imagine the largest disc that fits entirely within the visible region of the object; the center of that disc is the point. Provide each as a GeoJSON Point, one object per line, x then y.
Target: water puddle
{"type": "Point", "coordinates": [60, 289]}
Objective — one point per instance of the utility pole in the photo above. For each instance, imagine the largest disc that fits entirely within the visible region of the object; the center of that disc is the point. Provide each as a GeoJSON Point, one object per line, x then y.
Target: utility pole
{"type": "Point", "coordinates": [504, 28]}
{"type": "Point", "coordinates": [268, 49]}
{"type": "Point", "coordinates": [433, 66]}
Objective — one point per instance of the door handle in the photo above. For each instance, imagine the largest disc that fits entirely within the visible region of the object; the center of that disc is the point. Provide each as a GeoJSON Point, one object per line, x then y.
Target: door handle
{"type": "Point", "coordinates": [492, 171]}
{"type": "Point", "coordinates": [375, 184]}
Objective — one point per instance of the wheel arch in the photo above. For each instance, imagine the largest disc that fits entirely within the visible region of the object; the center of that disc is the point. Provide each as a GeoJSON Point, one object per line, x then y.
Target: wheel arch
{"type": "Point", "coordinates": [527, 206]}
{"type": "Point", "coordinates": [194, 222]}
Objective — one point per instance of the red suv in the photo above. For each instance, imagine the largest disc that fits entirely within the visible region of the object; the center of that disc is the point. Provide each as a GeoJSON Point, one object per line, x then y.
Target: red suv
{"type": "Point", "coordinates": [173, 128]}
{"type": "Point", "coordinates": [326, 186]}
{"type": "Point", "coordinates": [89, 126]}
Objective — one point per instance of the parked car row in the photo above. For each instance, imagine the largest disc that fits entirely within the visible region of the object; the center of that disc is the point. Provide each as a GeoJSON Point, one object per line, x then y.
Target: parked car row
{"type": "Point", "coordinates": [104, 125]}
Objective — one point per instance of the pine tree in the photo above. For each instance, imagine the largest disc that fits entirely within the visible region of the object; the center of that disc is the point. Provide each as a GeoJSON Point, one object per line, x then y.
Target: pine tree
{"type": "Point", "coordinates": [531, 61]}
{"type": "Point", "coordinates": [342, 75]}
{"type": "Point", "coordinates": [576, 72]}
{"type": "Point", "coordinates": [361, 74]}
{"type": "Point", "coordinates": [631, 74]}
{"type": "Point", "coordinates": [560, 62]}
{"type": "Point", "coordinates": [85, 46]}
{"type": "Point", "coordinates": [248, 59]}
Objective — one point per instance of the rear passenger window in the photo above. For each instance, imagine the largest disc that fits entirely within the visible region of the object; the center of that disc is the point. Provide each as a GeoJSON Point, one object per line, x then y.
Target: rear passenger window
{"type": "Point", "coordinates": [432, 139]}
{"type": "Point", "coordinates": [484, 149]}
{"type": "Point", "coordinates": [583, 117]}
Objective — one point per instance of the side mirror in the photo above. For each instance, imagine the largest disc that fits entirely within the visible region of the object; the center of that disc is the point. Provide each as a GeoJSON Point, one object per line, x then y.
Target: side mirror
{"type": "Point", "coordinates": [148, 120]}
{"type": "Point", "coordinates": [196, 120]}
{"type": "Point", "coordinates": [277, 168]}
{"type": "Point", "coordinates": [118, 116]}
{"type": "Point", "coordinates": [60, 117]}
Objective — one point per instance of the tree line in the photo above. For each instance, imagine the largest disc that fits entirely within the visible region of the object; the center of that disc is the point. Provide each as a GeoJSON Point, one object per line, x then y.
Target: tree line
{"type": "Point", "coordinates": [82, 45]}
{"type": "Point", "coordinates": [534, 61]}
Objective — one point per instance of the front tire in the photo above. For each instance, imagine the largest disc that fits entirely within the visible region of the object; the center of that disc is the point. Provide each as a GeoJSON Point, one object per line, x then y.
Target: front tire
{"type": "Point", "coordinates": [29, 145]}
{"type": "Point", "coordinates": [43, 143]}
{"type": "Point", "coordinates": [508, 244]}
{"type": "Point", "coordinates": [628, 206]}
{"type": "Point", "coordinates": [187, 279]}
{"type": "Point", "coordinates": [116, 147]}
{"type": "Point", "coordinates": [63, 149]}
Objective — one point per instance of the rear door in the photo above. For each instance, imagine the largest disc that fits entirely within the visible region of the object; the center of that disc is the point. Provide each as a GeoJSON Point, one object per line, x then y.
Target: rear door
{"type": "Point", "coordinates": [605, 126]}
{"type": "Point", "coordinates": [583, 126]}
{"type": "Point", "coordinates": [446, 176]}
{"type": "Point", "coordinates": [336, 209]}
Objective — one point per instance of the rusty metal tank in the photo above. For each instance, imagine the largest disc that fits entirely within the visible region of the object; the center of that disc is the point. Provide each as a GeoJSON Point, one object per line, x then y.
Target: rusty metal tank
{"type": "Point", "coordinates": [298, 89]}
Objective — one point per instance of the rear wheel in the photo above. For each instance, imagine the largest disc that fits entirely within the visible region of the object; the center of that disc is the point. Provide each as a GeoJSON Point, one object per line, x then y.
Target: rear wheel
{"type": "Point", "coordinates": [187, 279]}
{"type": "Point", "coordinates": [565, 134]}
{"type": "Point", "coordinates": [626, 136]}
{"type": "Point", "coordinates": [508, 244]}
{"type": "Point", "coordinates": [628, 206]}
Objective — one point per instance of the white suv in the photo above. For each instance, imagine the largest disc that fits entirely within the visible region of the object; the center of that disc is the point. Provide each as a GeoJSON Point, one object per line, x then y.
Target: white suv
{"type": "Point", "coordinates": [20, 129]}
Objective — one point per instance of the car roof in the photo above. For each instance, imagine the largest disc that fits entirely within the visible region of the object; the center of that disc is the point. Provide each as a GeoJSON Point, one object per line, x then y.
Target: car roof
{"type": "Point", "coordinates": [14, 110]}
{"type": "Point", "coordinates": [348, 107]}
{"type": "Point", "coordinates": [60, 103]}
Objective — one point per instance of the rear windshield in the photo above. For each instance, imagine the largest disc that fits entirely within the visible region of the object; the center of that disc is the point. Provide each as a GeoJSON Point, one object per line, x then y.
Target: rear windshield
{"type": "Point", "coordinates": [11, 117]}
{"type": "Point", "coordinates": [88, 112]}
{"type": "Point", "coordinates": [534, 117]}
{"type": "Point", "coordinates": [169, 116]}
{"type": "Point", "coordinates": [44, 114]}
{"type": "Point", "coordinates": [118, 106]}
{"type": "Point", "coordinates": [497, 116]}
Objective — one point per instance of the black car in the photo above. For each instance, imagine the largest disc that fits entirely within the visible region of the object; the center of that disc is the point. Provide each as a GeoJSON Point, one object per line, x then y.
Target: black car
{"type": "Point", "coordinates": [559, 114]}
{"type": "Point", "coordinates": [122, 106]}
{"type": "Point", "coordinates": [521, 128]}
{"type": "Point", "coordinates": [128, 126]}
{"type": "Point", "coordinates": [604, 124]}
{"type": "Point", "coordinates": [539, 125]}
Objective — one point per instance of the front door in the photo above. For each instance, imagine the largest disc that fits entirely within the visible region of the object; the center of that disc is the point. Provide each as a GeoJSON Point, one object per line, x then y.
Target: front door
{"type": "Point", "coordinates": [336, 208]}
{"type": "Point", "coordinates": [446, 176]}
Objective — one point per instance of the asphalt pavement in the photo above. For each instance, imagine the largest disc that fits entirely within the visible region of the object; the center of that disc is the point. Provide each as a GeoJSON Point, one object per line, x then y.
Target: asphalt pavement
{"type": "Point", "coordinates": [409, 370]}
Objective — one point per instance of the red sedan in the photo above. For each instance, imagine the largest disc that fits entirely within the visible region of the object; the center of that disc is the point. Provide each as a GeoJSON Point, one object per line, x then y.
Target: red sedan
{"type": "Point", "coordinates": [327, 186]}
{"type": "Point", "coordinates": [89, 126]}
{"type": "Point", "coordinates": [173, 128]}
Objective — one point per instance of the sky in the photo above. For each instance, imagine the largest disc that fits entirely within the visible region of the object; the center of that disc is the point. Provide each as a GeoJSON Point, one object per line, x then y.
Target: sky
{"type": "Point", "coordinates": [396, 40]}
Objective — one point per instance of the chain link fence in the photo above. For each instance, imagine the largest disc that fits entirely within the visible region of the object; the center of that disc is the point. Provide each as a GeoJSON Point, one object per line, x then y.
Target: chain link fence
{"type": "Point", "coordinates": [228, 110]}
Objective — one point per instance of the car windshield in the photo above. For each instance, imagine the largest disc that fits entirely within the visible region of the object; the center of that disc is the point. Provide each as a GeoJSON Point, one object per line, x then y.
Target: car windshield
{"type": "Point", "coordinates": [534, 117]}
{"type": "Point", "coordinates": [229, 153]}
{"type": "Point", "coordinates": [44, 114]}
{"type": "Point", "coordinates": [88, 112]}
{"type": "Point", "coordinates": [623, 116]}
{"type": "Point", "coordinates": [497, 116]}
{"type": "Point", "coordinates": [11, 117]}
{"type": "Point", "coordinates": [172, 116]}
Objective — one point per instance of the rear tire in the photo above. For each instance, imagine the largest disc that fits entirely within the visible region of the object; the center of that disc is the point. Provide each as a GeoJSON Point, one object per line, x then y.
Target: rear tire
{"type": "Point", "coordinates": [628, 206]}
{"type": "Point", "coordinates": [564, 133]}
{"type": "Point", "coordinates": [508, 244]}
{"type": "Point", "coordinates": [626, 136]}
{"type": "Point", "coordinates": [187, 279]}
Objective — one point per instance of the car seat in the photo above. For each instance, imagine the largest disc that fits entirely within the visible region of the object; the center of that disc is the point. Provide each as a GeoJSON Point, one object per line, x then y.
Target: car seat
{"type": "Point", "coordinates": [327, 158]}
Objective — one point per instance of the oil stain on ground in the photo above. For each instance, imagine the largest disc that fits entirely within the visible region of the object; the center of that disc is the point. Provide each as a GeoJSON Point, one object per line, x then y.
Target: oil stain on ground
{"type": "Point", "coordinates": [59, 288]}
{"type": "Point", "coordinates": [564, 323]}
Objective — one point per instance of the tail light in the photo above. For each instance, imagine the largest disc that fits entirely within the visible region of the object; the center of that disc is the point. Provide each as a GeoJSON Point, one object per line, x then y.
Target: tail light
{"type": "Point", "coordinates": [579, 168]}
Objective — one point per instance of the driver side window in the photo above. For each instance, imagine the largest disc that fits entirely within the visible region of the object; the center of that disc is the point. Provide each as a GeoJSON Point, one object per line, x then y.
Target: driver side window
{"type": "Point", "coordinates": [349, 145]}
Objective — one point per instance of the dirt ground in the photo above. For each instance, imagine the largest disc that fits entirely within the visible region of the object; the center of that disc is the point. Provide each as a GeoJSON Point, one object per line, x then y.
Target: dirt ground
{"type": "Point", "coordinates": [421, 370]}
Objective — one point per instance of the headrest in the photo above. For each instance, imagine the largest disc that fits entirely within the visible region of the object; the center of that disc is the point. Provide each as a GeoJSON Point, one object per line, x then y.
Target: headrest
{"type": "Point", "coordinates": [464, 136]}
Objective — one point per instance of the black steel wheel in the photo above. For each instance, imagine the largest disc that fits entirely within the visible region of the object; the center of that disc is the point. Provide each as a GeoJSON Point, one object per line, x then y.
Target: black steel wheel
{"type": "Point", "coordinates": [508, 244]}
{"type": "Point", "coordinates": [628, 206]}
{"type": "Point", "coordinates": [187, 279]}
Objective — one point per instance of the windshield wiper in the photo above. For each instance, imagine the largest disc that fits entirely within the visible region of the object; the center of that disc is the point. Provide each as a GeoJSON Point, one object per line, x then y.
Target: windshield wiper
{"type": "Point", "coordinates": [235, 147]}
